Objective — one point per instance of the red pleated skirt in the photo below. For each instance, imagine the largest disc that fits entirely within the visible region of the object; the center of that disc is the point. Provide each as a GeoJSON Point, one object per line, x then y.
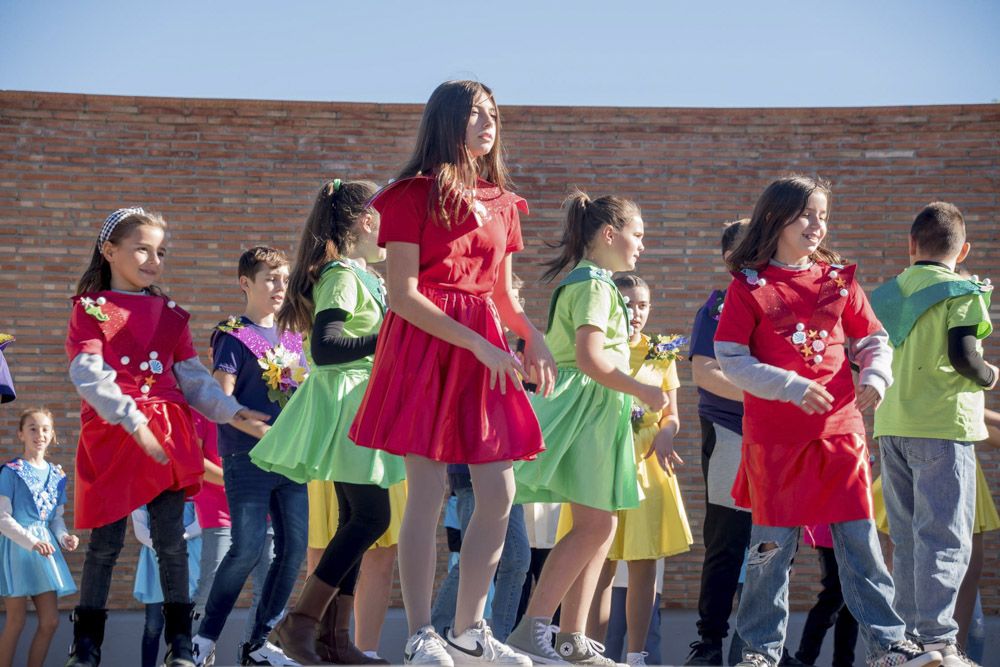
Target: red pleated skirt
{"type": "Point", "coordinates": [431, 398]}
{"type": "Point", "coordinates": [827, 480]}
{"type": "Point", "coordinates": [115, 476]}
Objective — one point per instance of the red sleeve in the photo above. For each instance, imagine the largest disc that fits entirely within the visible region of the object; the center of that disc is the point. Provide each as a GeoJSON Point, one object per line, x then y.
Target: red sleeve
{"type": "Point", "coordinates": [403, 209]}
{"type": "Point", "coordinates": [184, 349]}
{"type": "Point", "coordinates": [84, 334]}
{"type": "Point", "coordinates": [739, 316]}
{"type": "Point", "coordinates": [514, 241]}
{"type": "Point", "coordinates": [858, 318]}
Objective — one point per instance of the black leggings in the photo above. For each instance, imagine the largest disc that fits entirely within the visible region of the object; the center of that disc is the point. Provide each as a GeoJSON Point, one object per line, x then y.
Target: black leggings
{"type": "Point", "coordinates": [363, 515]}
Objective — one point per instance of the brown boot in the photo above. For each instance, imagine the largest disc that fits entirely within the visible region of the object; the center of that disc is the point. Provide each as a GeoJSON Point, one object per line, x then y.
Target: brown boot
{"type": "Point", "coordinates": [297, 631]}
{"type": "Point", "coordinates": [333, 642]}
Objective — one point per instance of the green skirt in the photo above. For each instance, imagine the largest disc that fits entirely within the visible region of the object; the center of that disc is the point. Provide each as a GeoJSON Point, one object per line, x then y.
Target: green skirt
{"type": "Point", "coordinates": [588, 457]}
{"type": "Point", "coordinates": [308, 440]}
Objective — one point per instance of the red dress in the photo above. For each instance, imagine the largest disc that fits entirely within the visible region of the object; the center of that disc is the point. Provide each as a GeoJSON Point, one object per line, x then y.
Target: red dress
{"type": "Point", "coordinates": [799, 469]}
{"type": "Point", "coordinates": [426, 396]}
{"type": "Point", "coordinates": [140, 337]}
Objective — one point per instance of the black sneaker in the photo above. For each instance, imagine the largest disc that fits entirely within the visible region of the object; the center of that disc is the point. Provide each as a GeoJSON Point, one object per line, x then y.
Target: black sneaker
{"type": "Point", "coordinates": [705, 652]}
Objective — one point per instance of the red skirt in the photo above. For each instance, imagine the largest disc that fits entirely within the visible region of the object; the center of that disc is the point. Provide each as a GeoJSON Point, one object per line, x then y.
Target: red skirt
{"type": "Point", "coordinates": [431, 398]}
{"type": "Point", "coordinates": [115, 476]}
{"type": "Point", "coordinates": [822, 481]}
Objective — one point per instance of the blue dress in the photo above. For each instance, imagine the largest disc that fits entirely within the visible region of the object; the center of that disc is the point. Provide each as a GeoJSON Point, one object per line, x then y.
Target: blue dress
{"type": "Point", "coordinates": [35, 494]}
{"type": "Point", "coordinates": [147, 587]}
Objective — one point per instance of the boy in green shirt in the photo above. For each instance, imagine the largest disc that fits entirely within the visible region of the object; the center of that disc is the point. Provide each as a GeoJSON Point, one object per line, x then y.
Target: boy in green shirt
{"type": "Point", "coordinates": [929, 420]}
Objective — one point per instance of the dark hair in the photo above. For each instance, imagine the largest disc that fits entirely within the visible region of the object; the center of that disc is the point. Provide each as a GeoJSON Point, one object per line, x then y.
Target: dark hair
{"type": "Point", "coordinates": [329, 234]}
{"type": "Point", "coordinates": [251, 260]}
{"type": "Point", "coordinates": [97, 276]}
{"type": "Point", "coordinates": [939, 229]}
{"type": "Point", "coordinates": [440, 149]}
{"type": "Point", "coordinates": [780, 204]}
{"type": "Point", "coordinates": [39, 410]}
{"type": "Point", "coordinates": [732, 232]}
{"type": "Point", "coordinates": [585, 217]}
{"type": "Point", "coordinates": [630, 281]}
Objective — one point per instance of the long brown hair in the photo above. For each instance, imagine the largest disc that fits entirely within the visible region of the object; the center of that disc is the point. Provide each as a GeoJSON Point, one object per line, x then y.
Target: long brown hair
{"type": "Point", "coordinates": [781, 203]}
{"type": "Point", "coordinates": [585, 217]}
{"type": "Point", "coordinates": [97, 276]}
{"type": "Point", "coordinates": [328, 235]}
{"type": "Point", "coordinates": [440, 150]}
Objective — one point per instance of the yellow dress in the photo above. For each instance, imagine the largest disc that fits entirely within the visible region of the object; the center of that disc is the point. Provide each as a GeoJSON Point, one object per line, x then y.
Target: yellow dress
{"type": "Point", "coordinates": [659, 526]}
{"type": "Point", "coordinates": [323, 514]}
{"type": "Point", "coordinates": [986, 519]}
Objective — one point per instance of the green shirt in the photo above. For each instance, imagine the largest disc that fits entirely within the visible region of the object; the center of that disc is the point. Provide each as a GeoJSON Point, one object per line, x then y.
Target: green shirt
{"type": "Point", "coordinates": [928, 397]}
{"type": "Point", "coordinates": [341, 287]}
{"type": "Point", "coordinates": [589, 302]}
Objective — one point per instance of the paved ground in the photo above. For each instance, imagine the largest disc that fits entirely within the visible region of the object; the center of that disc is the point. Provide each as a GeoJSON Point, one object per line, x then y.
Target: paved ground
{"type": "Point", "coordinates": [121, 647]}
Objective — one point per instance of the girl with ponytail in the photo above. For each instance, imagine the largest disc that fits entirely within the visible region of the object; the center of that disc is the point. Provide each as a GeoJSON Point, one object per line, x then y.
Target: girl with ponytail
{"type": "Point", "coordinates": [589, 460]}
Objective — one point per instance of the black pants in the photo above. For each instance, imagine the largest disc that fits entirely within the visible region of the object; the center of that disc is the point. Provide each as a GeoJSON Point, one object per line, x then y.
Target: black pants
{"type": "Point", "coordinates": [829, 611]}
{"type": "Point", "coordinates": [363, 515]}
{"type": "Point", "coordinates": [166, 528]}
{"type": "Point", "coordinates": [726, 534]}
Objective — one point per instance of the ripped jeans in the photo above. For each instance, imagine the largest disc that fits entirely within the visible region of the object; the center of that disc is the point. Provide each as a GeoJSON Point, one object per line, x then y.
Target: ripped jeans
{"type": "Point", "coordinates": [762, 618]}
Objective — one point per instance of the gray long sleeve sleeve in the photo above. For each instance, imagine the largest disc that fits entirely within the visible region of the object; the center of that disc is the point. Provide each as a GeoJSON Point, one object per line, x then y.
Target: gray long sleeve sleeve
{"type": "Point", "coordinates": [760, 379]}
{"type": "Point", "coordinates": [95, 382]}
{"type": "Point", "coordinates": [203, 393]}
{"type": "Point", "coordinates": [873, 355]}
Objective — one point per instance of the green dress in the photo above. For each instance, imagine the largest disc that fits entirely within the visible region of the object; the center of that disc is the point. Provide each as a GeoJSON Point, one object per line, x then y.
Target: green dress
{"type": "Point", "coordinates": [308, 440]}
{"type": "Point", "coordinates": [588, 457]}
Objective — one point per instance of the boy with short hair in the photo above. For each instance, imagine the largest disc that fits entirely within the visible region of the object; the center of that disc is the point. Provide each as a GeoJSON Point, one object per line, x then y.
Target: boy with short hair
{"type": "Point", "coordinates": [253, 494]}
{"type": "Point", "coordinates": [928, 421]}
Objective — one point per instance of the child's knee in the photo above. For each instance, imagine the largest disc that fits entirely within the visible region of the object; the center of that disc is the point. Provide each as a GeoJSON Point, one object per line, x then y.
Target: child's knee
{"type": "Point", "coordinates": [762, 553]}
{"type": "Point", "coordinates": [48, 623]}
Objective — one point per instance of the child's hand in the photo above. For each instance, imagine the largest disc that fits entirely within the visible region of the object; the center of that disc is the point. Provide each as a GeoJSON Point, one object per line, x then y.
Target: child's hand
{"type": "Point", "coordinates": [663, 447]}
{"type": "Point", "coordinates": [150, 444]}
{"type": "Point", "coordinates": [503, 367]}
{"type": "Point", "coordinates": [44, 548]}
{"type": "Point", "coordinates": [70, 542]}
{"type": "Point", "coordinates": [540, 364]}
{"type": "Point", "coordinates": [817, 400]}
{"type": "Point", "coordinates": [653, 396]}
{"type": "Point", "coordinates": [251, 422]}
{"type": "Point", "coordinates": [868, 397]}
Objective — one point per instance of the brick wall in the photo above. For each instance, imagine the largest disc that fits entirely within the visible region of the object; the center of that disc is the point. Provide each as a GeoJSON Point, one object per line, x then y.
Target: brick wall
{"type": "Point", "coordinates": [231, 174]}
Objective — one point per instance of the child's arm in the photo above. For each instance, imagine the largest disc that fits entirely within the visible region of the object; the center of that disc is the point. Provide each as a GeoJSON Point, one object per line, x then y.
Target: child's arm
{"type": "Point", "coordinates": [403, 260]}
{"type": "Point", "coordinates": [708, 375]}
{"type": "Point", "coordinates": [140, 526]}
{"type": "Point", "coordinates": [993, 428]}
{"type": "Point", "coordinates": [964, 355]}
{"type": "Point", "coordinates": [18, 534]}
{"type": "Point", "coordinates": [95, 382]}
{"type": "Point", "coordinates": [873, 356]}
{"type": "Point", "coordinates": [539, 363]}
{"type": "Point", "coordinates": [205, 395]}
{"type": "Point", "coordinates": [213, 473]}
{"type": "Point", "coordinates": [770, 382]}
{"type": "Point", "coordinates": [67, 541]}
{"type": "Point", "coordinates": [663, 442]}
{"type": "Point", "coordinates": [591, 360]}
{"type": "Point", "coordinates": [330, 346]}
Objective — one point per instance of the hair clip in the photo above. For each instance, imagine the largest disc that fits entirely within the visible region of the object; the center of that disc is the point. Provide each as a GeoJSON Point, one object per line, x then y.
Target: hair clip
{"type": "Point", "coordinates": [336, 184]}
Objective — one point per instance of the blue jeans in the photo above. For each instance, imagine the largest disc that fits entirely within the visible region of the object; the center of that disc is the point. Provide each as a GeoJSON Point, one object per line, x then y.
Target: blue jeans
{"type": "Point", "coordinates": [930, 499]}
{"type": "Point", "coordinates": [253, 494]}
{"type": "Point", "coordinates": [514, 561]}
{"type": "Point", "coordinates": [614, 640]}
{"type": "Point", "coordinates": [215, 543]}
{"type": "Point", "coordinates": [762, 618]}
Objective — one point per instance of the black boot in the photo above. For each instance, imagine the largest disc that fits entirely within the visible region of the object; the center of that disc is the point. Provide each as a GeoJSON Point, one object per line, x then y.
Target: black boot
{"type": "Point", "coordinates": [177, 634]}
{"type": "Point", "coordinates": [88, 635]}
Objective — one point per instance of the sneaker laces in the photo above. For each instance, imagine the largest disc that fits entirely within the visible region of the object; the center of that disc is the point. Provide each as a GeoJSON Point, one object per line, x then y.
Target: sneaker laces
{"type": "Point", "coordinates": [593, 645]}
{"type": "Point", "coordinates": [545, 637]}
{"type": "Point", "coordinates": [757, 659]}
{"type": "Point", "coordinates": [494, 648]}
{"type": "Point", "coordinates": [908, 648]}
{"type": "Point", "coordinates": [429, 642]}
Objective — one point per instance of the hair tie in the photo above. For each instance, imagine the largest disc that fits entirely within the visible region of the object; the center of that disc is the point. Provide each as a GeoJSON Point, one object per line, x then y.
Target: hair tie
{"type": "Point", "coordinates": [336, 185]}
{"type": "Point", "coordinates": [112, 221]}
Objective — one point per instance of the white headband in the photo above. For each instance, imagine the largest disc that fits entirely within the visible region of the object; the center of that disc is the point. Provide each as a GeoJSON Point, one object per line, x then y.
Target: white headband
{"type": "Point", "coordinates": [112, 221]}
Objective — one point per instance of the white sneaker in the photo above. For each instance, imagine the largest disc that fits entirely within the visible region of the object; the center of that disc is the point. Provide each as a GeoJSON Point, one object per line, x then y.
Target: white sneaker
{"type": "Point", "coordinates": [951, 655]}
{"type": "Point", "coordinates": [426, 648]}
{"type": "Point", "coordinates": [635, 659]}
{"type": "Point", "coordinates": [270, 654]}
{"type": "Point", "coordinates": [203, 651]}
{"type": "Point", "coordinates": [535, 637]}
{"type": "Point", "coordinates": [373, 655]}
{"type": "Point", "coordinates": [478, 645]}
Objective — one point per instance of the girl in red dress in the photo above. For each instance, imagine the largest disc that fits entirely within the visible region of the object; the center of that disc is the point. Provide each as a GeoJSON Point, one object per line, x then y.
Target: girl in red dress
{"type": "Point", "coordinates": [134, 364]}
{"type": "Point", "coordinates": [791, 317]}
{"type": "Point", "coordinates": [445, 388]}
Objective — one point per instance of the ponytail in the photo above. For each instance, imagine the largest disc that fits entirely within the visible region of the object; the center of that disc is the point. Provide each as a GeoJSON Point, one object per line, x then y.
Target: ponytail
{"type": "Point", "coordinates": [585, 217]}
{"type": "Point", "coordinates": [329, 234]}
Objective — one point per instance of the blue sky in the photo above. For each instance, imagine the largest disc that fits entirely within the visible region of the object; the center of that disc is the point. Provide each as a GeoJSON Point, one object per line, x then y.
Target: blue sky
{"type": "Point", "coordinates": [716, 54]}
